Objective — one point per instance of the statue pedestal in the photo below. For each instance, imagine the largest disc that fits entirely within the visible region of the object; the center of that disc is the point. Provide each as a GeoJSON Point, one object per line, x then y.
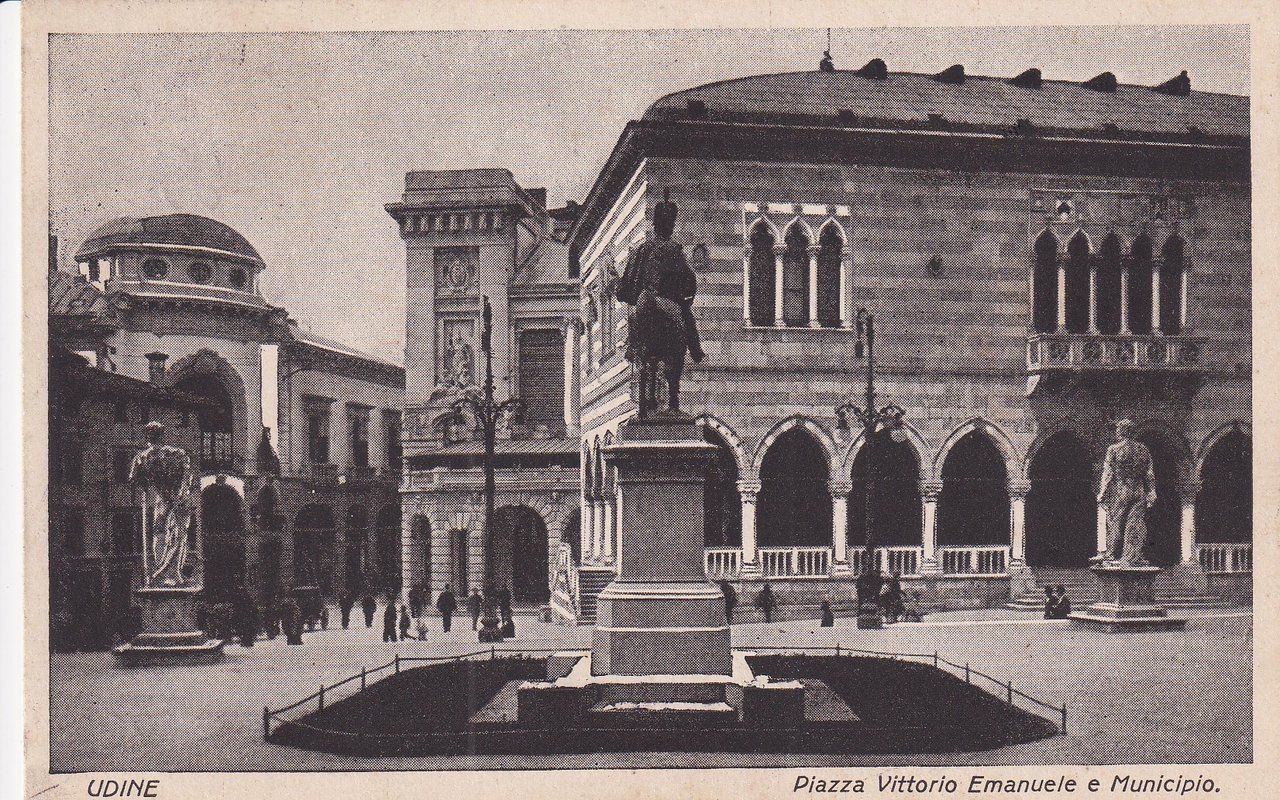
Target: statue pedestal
{"type": "Point", "coordinates": [1126, 602]}
{"type": "Point", "coordinates": [661, 616]}
{"type": "Point", "coordinates": [170, 635]}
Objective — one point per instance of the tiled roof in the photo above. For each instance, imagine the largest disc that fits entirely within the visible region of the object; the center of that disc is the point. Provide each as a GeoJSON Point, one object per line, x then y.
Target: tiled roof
{"type": "Point", "coordinates": [979, 102]}
{"type": "Point", "coordinates": [187, 230]}
{"type": "Point", "coordinates": [70, 371]}
{"type": "Point", "coordinates": [71, 297]}
{"type": "Point", "coordinates": [315, 340]}
{"type": "Point", "coordinates": [510, 447]}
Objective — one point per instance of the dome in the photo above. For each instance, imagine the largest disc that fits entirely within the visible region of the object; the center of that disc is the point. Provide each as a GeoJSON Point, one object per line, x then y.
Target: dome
{"type": "Point", "coordinates": [173, 230]}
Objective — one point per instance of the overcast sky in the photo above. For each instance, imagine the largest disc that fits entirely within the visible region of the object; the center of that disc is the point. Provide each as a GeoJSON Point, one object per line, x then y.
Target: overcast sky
{"type": "Point", "coordinates": [297, 140]}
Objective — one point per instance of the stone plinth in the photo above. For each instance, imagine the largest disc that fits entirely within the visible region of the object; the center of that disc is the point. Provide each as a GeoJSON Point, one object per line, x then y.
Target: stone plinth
{"type": "Point", "coordinates": [661, 616]}
{"type": "Point", "coordinates": [170, 635]}
{"type": "Point", "coordinates": [1126, 602]}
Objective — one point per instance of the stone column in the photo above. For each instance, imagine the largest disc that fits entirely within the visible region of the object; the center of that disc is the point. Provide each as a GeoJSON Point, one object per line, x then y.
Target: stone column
{"type": "Point", "coordinates": [846, 270]}
{"type": "Point", "coordinates": [1062, 296]}
{"type": "Point", "coordinates": [607, 530]}
{"type": "Point", "coordinates": [813, 286]}
{"type": "Point", "coordinates": [1124, 299]}
{"type": "Point", "coordinates": [750, 554]}
{"type": "Point", "coordinates": [572, 330]}
{"type": "Point", "coordinates": [1017, 522]}
{"type": "Point", "coordinates": [840, 528]}
{"type": "Point", "coordinates": [929, 491]}
{"type": "Point", "coordinates": [586, 527]}
{"type": "Point", "coordinates": [778, 252]}
{"type": "Point", "coordinates": [1190, 493]}
{"type": "Point", "coordinates": [1155, 298]}
{"type": "Point", "coordinates": [746, 284]}
{"type": "Point", "coordinates": [597, 529]}
{"type": "Point", "coordinates": [1093, 296]}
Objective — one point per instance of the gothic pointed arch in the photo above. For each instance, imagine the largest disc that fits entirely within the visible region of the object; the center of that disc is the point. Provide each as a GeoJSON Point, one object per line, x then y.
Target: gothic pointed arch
{"type": "Point", "coordinates": [820, 435]}
{"type": "Point", "coordinates": [1044, 303]}
{"type": "Point", "coordinates": [722, 518]}
{"type": "Point", "coordinates": [1061, 507]}
{"type": "Point", "coordinates": [1224, 506]}
{"type": "Point", "coordinates": [762, 238]}
{"type": "Point", "coordinates": [1140, 267]}
{"type": "Point", "coordinates": [795, 274]}
{"type": "Point", "coordinates": [794, 502]}
{"type": "Point", "coordinates": [885, 492]}
{"type": "Point", "coordinates": [741, 457]}
{"type": "Point", "coordinates": [1009, 454]}
{"type": "Point", "coordinates": [1172, 278]}
{"type": "Point", "coordinates": [832, 245]}
{"type": "Point", "coordinates": [1110, 263]}
{"type": "Point", "coordinates": [973, 507]}
{"type": "Point", "coordinates": [1079, 250]}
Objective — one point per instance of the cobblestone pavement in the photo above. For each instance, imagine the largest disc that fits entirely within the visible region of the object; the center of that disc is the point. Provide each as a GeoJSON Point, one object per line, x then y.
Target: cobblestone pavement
{"type": "Point", "coordinates": [1176, 697]}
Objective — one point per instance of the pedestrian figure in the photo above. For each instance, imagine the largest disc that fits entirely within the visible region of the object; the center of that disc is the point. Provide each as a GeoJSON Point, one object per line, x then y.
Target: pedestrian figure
{"type": "Point", "coordinates": [884, 602]}
{"type": "Point", "coordinates": [1050, 598]}
{"type": "Point", "coordinates": [730, 599]}
{"type": "Point", "coordinates": [475, 604]}
{"type": "Point", "coordinates": [913, 611]}
{"type": "Point", "coordinates": [370, 606]}
{"type": "Point", "coordinates": [246, 620]}
{"type": "Point", "coordinates": [422, 629]}
{"type": "Point", "coordinates": [1061, 606]}
{"type": "Point", "coordinates": [508, 626]}
{"type": "Point", "coordinates": [345, 603]}
{"type": "Point", "coordinates": [291, 620]}
{"type": "Point", "coordinates": [828, 619]}
{"type": "Point", "coordinates": [504, 601]}
{"type": "Point", "coordinates": [404, 623]}
{"type": "Point", "coordinates": [446, 604]}
{"type": "Point", "coordinates": [766, 602]}
{"type": "Point", "coordinates": [416, 601]}
{"type": "Point", "coordinates": [894, 608]}
{"type": "Point", "coordinates": [389, 623]}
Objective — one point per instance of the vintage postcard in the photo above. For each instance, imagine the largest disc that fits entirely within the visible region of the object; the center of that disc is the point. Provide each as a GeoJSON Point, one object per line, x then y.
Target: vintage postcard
{"type": "Point", "coordinates": [770, 403]}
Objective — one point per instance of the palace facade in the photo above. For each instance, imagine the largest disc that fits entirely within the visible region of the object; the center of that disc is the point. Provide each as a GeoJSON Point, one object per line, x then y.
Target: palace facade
{"type": "Point", "coordinates": [298, 436]}
{"type": "Point", "coordinates": [1042, 258]}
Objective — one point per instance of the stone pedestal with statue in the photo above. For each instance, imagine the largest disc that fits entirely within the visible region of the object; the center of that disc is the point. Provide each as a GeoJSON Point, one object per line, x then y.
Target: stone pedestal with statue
{"type": "Point", "coordinates": [169, 633]}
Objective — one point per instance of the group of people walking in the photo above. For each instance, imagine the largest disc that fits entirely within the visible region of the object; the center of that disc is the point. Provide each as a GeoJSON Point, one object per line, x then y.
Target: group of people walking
{"type": "Point", "coordinates": [408, 621]}
{"type": "Point", "coordinates": [891, 603]}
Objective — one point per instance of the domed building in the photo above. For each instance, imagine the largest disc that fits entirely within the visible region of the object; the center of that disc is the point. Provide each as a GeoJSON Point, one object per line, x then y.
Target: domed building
{"type": "Point", "coordinates": [1042, 258]}
{"type": "Point", "coordinates": [299, 435]}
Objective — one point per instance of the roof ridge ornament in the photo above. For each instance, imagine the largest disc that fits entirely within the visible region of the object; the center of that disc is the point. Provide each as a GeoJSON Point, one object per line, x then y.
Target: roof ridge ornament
{"type": "Point", "coordinates": [1105, 82]}
{"type": "Point", "coordinates": [874, 69]}
{"type": "Point", "coordinates": [1028, 79]}
{"type": "Point", "coordinates": [1179, 86]}
{"type": "Point", "coordinates": [953, 74]}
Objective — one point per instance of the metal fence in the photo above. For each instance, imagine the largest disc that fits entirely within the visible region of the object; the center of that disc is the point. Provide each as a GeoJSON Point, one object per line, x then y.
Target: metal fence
{"type": "Point", "coordinates": [1005, 688]}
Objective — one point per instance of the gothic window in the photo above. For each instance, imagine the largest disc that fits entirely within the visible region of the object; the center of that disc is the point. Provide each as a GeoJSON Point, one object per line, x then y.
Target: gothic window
{"type": "Point", "coordinates": [1044, 310]}
{"type": "Point", "coordinates": [200, 272]}
{"type": "Point", "coordinates": [155, 269]}
{"type": "Point", "coordinates": [762, 275]}
{"type": "Point", "coordinates": [1140, 285]}
{"type": "Point", "coordinates": [830, 253]}
{"type": "Point", "coordinates": [1078, 284]}
{"type": "Point", "coordinates": [1172, 274]}
{"type": "Point", "coordinates": [795, 278]}
{"type": "Point", "coordinates": [973, 508]}
{"type": "Point", "coordinates": [1108, 284]}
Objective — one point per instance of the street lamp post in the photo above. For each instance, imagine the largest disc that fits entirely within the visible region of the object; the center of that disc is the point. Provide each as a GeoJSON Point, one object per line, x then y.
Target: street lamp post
{"type": "Point", "coordinates": [888, 418]}
{"type": "Point", "coordinates": [488, 414]}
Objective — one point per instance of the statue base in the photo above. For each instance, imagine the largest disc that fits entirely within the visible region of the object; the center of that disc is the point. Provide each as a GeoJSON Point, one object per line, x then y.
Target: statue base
{"type": "Point", "coordinates": [170, 635]}
{"type": "Point", "coordinates": [1126, 602]}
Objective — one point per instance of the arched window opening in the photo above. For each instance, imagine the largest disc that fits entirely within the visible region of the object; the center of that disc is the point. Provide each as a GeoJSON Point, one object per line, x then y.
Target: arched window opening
{"type": "Point", "coordinates": [520, 558]}
{"type": "Point", "coordinates": [1078, 284]}
{"type": "Point", "coordinates": [1224, 507]}
{"type": "Point", "coordinates": [1140, 285]}
{"type": "Point", "coordinates": [973, 508]}
{"type": "Point", "coordinates": [830, 254]}
{"type": "Point", "coordinates": [1062, 516]}
{"type": "Point", "coordinates": [1172, 274]}
{"type": "Point", "coordinates": [794, 504]}
{"type": "Point", "coordinates": [894, 489]}
{"type": "Point", "coordinates": [760, 303]}
{"type": "Point", "coordinates": [1044, 311]}
{"type": "Point", "coordinates": [216, 451]}
{"type": "Point", "coordinates": [722, 523]}
{"type": "Point", "coordinates": [1110, 263]}
{"type": "Point", "coordinates": [795, 278]}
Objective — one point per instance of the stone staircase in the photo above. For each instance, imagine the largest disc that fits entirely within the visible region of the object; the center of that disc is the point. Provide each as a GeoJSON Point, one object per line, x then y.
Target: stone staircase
{"type": "Point", "coordinates": [591, 581]}
{"type": "Point", "coordinates": [1082, 589]}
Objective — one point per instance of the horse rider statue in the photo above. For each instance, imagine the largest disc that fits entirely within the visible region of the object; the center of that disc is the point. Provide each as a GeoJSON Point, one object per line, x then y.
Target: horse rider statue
{"type": "Point", "coordinates": [660, 286]}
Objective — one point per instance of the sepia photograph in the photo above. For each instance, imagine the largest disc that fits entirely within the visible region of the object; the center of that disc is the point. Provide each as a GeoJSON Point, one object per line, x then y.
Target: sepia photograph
{"type": "Point", "coordinates": [641, 399]}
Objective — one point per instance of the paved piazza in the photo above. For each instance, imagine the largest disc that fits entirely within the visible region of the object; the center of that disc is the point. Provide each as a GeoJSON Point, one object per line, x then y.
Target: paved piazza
{"type": "Point", "coordinates": [1131, 698]}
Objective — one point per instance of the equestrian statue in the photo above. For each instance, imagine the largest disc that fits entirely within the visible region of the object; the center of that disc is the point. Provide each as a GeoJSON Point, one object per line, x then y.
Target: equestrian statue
{"type": "Point", "coordinates": [660, 286]}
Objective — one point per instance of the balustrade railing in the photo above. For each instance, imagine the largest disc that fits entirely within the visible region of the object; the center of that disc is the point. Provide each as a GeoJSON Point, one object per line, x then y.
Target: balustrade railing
{"type": "Point", "coordinates": [723, 562]}
{"type": "Point", "coordinates": [795, 562]}
{"type": "Point", "coordinates": [904, 560]}
{"type": "Point", "coordinates": [1225, 557]}
{"type": "Point", "coordinates": [975, 560]}
{"type": "Point", "coordinates": [1109, 351]}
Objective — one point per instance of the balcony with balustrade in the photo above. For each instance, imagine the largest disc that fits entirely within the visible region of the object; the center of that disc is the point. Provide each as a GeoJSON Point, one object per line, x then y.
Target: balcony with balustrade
{"type": "Point", "coordinates": [1085, 351]}
{"type": "Point", "coordinates": [969, 561]}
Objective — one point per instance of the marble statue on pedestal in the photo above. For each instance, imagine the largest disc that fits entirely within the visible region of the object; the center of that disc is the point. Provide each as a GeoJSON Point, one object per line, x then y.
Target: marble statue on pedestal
{"type": "Point", "coordinates": [164, 476]}
{"type": "Point", "coordinates": [1128, 489]}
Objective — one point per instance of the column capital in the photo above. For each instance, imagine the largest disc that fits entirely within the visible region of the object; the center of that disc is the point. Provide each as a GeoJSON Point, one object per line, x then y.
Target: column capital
{"type": "Point", "coordinates": [571, 325]}
{"type": "Point", "coordinates": [748, 489]}
{"type": "Point", "coordinates": [1018, 489]}
{"type": "Point", "coordinates": [929, 490]}
{"type": "Point", "coordinates": [839, 489]}
{"type": "Point", "coordinates": [1189, 491]}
